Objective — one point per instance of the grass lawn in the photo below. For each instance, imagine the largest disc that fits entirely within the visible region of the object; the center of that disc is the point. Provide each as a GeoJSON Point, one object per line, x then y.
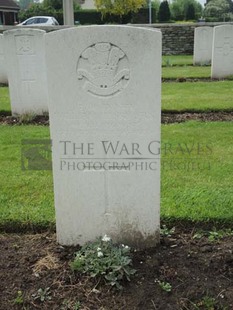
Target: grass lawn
{"type": "Point", "coordinates": [188, 96]}
{"type": "Point", "coordinates": [26, 197]}
{"type": "Point", "coordinates": [4, 99]}
{"type": "Point", "coordinates": [177, 60]}
{"type": "Point", "coordinates": [198, 96]}
{"type": "Point", "coordinates": [195, 185]}
{"type": "Point", "coordinates": [197, 171]}
{"type": "Point", "coordinates": [196, 157]}
{"type": "Point", "coordinates": [186, 72]}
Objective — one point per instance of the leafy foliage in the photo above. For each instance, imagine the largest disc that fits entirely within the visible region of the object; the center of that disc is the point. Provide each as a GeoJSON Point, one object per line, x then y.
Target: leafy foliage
{"type": "Point", "coordinates": [46, 8]}
{"type": "Point", "coordinates": [37, 9]}
{"type": "Point", "coordinates": [217, 9]}
{"type": "Point", "coordinates": [165, 286]}
{"type": "Point", "coordinates": [155, 4]}
{"type": "Point", "coordinates": [42, 294]}
{"type": "Point", "coordinates": [55, 4]}
{"type": "Point", "coordinates": [185, 9]}
{"type": "Point", "coordinates": [118, 7]}
{"type": "Point", "coordinates": [213, 235]}
{"type": "Point", "coordinates": [105, 260]}
{"type": "Point", "coordinates": [19, 298]}
{"type": "Point", "coordinates": [166, 232]}
{"type": "Point", "coordinates": [190, 12]}
{"type": "Point", "coordinates": [164, 13]}
{"type": "Point", "coordinates": [25, 4]}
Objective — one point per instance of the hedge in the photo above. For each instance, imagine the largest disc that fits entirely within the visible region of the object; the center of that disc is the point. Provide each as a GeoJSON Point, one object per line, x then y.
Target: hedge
{"type": "Point", "coordinates": [90, 17]}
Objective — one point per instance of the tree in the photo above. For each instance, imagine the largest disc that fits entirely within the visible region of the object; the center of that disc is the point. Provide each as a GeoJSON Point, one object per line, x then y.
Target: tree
{"type": "Point", "coordinates": [231, 5]}
{"type": "Point", "coordinates": [155, 4]}
{"type": "Point", "coordinates": [217, 9]}
{"type": "Point", "coordinates": [177, 11]}
{"type": "Point", "coordinates": [181, 8]}
{"type": "Point", "coordinates": [55, 4]}
{"type": "Point", "coordinates": [190, 12]}
{"type": "Point", "coordinates": [164, 14]}
{"type": "Point", "coordinates": [25, 4]}
{"type": "Point", "coordinates": [36, 9]}
{"type": "Point", "coordinates": [118, 7]}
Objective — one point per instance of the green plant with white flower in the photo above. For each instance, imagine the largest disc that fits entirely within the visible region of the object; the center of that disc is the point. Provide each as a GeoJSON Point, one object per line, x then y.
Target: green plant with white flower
{"type": "Point", "coordinates": [105, 260]}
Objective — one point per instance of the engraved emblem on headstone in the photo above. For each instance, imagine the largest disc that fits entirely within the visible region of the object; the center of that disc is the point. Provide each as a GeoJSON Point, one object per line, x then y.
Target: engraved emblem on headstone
{"type": "Point", "coordinates": [103, 69]}
{"type": "Point", "coordinates": [24, 45]}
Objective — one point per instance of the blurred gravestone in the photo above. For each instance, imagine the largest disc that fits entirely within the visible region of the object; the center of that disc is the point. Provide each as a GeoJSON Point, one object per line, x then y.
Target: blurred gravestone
{"type": "Point", "coordinates": [24, 53]}
{"type": "Point", "coordinates": [104, 105]}
{"type": "Point", "coordinates": [222, 59]}
{"type": "Point", "coordinates": [3, 75]}
{"type": "Point", "coordinates": [203, 42]}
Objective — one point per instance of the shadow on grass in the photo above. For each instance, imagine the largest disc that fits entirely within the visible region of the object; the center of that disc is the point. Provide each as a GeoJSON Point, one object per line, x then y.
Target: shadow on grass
{"type": "Point", "coordinates": [22, 227]}
{"type": "Point", "coordinates": [5, 113]}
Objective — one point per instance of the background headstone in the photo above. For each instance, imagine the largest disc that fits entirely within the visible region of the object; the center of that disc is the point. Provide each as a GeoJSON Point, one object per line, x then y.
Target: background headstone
{"type": "Point", "coordinates": [25, 58]}
{"type": "Point", "coordinates": [3, 75]}
{"type": "Point", "coordinates": [222, 59]}
{"type": "Point", "coordinates": [203, 42]}
{"type": "Point", "coordinates": [105, 103]}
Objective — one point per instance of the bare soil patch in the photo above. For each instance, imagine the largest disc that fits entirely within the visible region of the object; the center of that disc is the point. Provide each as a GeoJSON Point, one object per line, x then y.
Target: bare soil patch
{"type": "Point", "coordinates": [199, 271]}
{"type": "Point", "coordinates": [167, 118]}
{"type": "Point", "coordinates": [175, 117]}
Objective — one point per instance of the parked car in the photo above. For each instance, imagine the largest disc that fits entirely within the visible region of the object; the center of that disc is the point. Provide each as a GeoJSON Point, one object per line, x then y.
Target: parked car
{"type": "Point", "coordinates": [40, 21]}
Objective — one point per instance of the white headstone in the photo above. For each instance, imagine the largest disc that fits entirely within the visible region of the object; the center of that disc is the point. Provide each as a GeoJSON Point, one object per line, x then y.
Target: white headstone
{"type": "Point", "coordinates": [203, 42]}
{"type": "Point", "coordinates": [104, 102]}
{"type": "Point", "coordinates": [3, 75]}
{"type": "Point", "coordinates": [222, 59]}
{"type": "Point", "coordinates": [25, 57]}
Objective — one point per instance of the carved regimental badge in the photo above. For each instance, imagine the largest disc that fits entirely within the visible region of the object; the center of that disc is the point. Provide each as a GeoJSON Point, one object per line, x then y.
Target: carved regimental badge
{"type": "Point", "coordinates": [103, 69]}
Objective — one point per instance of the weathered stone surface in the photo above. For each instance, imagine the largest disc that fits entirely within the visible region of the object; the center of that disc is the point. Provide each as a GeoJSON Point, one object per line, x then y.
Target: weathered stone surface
{"type": "Point", "coordinates": [222, 59]}
{"type": "Point", "coordinates": [203, 42]}
{"type": "Point", "coordinates": [104, 104]}
{"type": "Point", "coordinates": [25, 59]}
{"type": "Point", "coordinates": [3, 74]}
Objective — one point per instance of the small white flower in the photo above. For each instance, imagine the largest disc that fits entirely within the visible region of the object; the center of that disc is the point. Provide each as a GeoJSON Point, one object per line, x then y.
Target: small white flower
{"type": "Point", "coordinates": [100, 254]}
{"type": "Point", "coordinates": [106, 238]}
{"type": "Point", "coordinates": [126, 247]}
{"type": "Point", "coordinates": [98, 249]}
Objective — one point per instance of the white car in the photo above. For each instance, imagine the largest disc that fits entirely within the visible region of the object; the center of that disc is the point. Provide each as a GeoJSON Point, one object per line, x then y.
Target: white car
{"type": "Point", "coordinates": [40, 21]}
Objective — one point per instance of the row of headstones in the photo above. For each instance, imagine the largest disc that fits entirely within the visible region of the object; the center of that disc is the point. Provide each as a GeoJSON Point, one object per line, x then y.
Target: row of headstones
{"type": "Point", "coordinates": [214, 45]}
{"type": "Point", "coordinates": [103, 85]}
{"type": "Point", "coordinates": [24, 64]}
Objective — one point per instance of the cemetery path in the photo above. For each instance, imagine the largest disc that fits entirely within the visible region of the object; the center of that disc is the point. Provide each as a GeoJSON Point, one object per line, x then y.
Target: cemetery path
{"type": "Point", "coordinates": [168, 117]}
{"type": "Point", "coordinates": [36, 274]}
